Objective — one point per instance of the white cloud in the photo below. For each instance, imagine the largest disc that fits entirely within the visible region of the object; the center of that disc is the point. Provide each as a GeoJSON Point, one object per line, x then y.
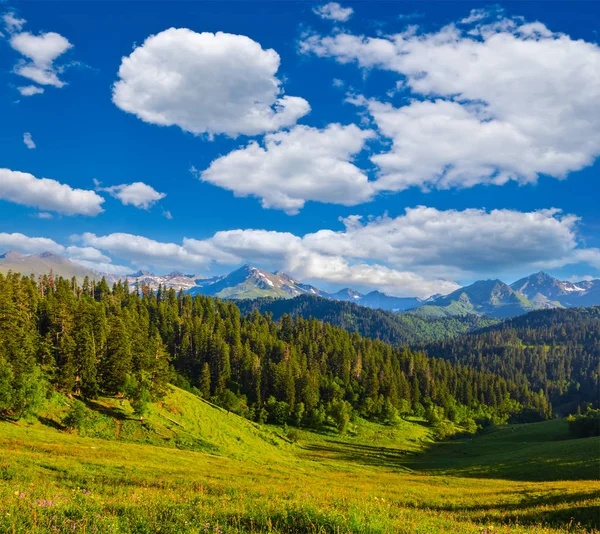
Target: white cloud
{"type": "Point", "coordinates": [89, 257]}
{"type": "Point", "coordinates": [469, 242]}
{"type": "Point", "coordinates": [137, 194]}
{"type": "Point", "coordinates": [146, 252]}
{"type": "Point", "coordinates": [29, 245]}
{"type": "Point", "coordinates": [476, 15]}
{"type": "Point", "coordinates": [44, 215]}
{"type": "Point", "coordinates": [206, 83]}
{"type": "Point", "coordinates": [422, 252]}
{"type": "Point", "coordinates": [295, 166]}
{"type": "Point", "coordinates": [12, 22]}
{"type": "Point", "coordinates": [334, 11]}
{"type": "Point", "coordinates": [471, 120]}
{"type": "Point", "coordinates": [86, 254]}
{"type": "Point", "coordinates": [30, 90]}
{"type": "Point", "coordinates": [27, 139]}
{"type": "Point", "coordinates": [591, 256]}
{"type": "Point", "coordinates": [41, 51]}
{"type": "Point", "coordinates": [92, 258]}
{"type": "Point", "coordinates": [108, 268]}
{"type": "Point", "coordinates": [167, 215]}
{"type": "Point", "coordinates": [46, 194]}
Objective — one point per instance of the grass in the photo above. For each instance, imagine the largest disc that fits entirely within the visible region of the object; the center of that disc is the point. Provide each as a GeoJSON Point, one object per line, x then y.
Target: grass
{"type": "Point", "coordinates": [219, 473]}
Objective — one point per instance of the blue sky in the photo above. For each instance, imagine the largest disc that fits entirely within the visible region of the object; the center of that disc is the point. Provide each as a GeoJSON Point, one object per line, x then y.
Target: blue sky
{"type": "Point", "coordinates": [439, 137]}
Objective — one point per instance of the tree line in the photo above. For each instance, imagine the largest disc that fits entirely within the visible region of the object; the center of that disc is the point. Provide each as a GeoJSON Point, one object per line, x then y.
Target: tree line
{"type": "Point", "coordinates": [557, 351]}
{"type": "Point", "coordinates": [93, 339]}
{"type": "Point", "coordinates": [394, 328]}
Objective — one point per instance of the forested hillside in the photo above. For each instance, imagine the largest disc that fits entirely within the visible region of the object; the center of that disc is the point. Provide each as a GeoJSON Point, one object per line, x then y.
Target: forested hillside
{"type": "Point", "coordinates": [394, 328]}
{"type": "Point", "coordinates": [93, 339]}
{"type": "Point", "coordinates": [557, 351]}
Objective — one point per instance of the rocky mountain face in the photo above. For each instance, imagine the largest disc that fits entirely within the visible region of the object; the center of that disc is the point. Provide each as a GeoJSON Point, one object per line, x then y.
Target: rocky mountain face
{"type": "Point", "coordinates": [249, 282]}
{"type": "Point", "coordinates": [548, 292]}
{"type": "Point", "coordinates": [347, 295]}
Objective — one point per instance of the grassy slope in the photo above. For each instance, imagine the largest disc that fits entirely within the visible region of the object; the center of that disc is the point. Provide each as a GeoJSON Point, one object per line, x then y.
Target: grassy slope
{"type": "Point", "coordinates": [536, 451]}
{"type": "Point", "coordinates": [378, 479]}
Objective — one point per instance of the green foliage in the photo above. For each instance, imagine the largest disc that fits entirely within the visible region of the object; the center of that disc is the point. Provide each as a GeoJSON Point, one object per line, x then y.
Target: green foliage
{"type": "Point", "coordinates": [585, 425]}
{"type": "Point", "coordinates": [395, 328]}
{"type": "Point", "coordinates": [339, 411]}
{"type": "Point", "coordinates": [96, 341]}
{"type": "Point", "coordinates": [553, 352]}
{"type": "Point", "coordinates": [6, 386]}
{"type": "Point", "coordinates": [75, 417]}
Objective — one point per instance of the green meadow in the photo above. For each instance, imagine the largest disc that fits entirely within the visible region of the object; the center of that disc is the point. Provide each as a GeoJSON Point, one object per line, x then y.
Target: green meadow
{"type": "Point", "coordinates": [193, 467]}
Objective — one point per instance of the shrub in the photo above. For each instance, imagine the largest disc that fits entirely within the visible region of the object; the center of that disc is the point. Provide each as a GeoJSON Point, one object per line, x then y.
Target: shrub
{"type": "Point", "coordinates": [585, 425]}
{"type": "Point", "coordinates": [75, 418]}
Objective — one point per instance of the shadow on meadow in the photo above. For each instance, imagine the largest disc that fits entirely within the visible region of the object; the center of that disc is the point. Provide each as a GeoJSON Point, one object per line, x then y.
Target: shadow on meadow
{"type": "Point", "coordinates": [46, 421]}
{"type": "Point", "coordinates": [374, 456]}
{"type": "Point", "coordinates": [110, 411]}
{"type": "Point", "coordinates": [555, 509]}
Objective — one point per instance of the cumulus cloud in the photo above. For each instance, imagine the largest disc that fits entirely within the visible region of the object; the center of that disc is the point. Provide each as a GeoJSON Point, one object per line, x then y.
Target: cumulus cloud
{"type": "Point", "coordinates": [89, 257]}
{"type": "Point", "coordinates": [295, 166]}
{"type": "Point", "coordinates": [469, 119]}
{"type": "Point", "coordinates": [86, 254]}
{"type": "Point", "coordinates": [30, 90]}
{"type": "Point", "coordinates": [137, 194]}
{"type": "Point", "coordinates": [40, 52]}
{"type": "Point", "coordinates": [28, 140]}
{"type": "Point", "coordinates": [29, 245]}
{"type": "Point", "coordinates": [146, 252]}
{"type": "Point", "coordinates": [470, 242]}
{"type": "Point", "coordinates": [92, 258]}
{"type": "Point", "coordinates": [46, 194]}
{"type": "Point", "coordinates": [334, 11]}
{"type": "Point", "coordinates": [422, 252]}
{"type": "Point", "coordinates": [206, 83]}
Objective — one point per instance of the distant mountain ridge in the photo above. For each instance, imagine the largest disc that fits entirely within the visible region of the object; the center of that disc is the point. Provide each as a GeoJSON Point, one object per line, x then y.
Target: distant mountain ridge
{"type": "Point", "coordinates": [493, 298]}
{"type": "Point", "coordinates": [40, 264]}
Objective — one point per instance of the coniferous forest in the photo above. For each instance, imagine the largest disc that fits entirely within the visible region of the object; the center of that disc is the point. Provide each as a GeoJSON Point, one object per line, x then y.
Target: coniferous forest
{"type": "Point", "coordinates": [394, 328]}
{"type": "Point", "coordinates": [93, 339]}
{"type": "Point", "coordinates": [557, 351]}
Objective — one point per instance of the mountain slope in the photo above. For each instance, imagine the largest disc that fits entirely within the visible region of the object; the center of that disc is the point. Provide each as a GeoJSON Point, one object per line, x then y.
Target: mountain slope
{"type": "Point", "coordinates": [488, 297]}
{"type": "Point", "coordinates": [377, 299]}
{"type": "Point", "coordinates": [549, 292]}
{"type": "Point", "coordinates": [41, 264]}
{"type": "Point", "coordinates": [395, 328]}
{"type": "Point", "coordinates": [249, 282]}
{"type": "Point", "coordinates": [545, 290]}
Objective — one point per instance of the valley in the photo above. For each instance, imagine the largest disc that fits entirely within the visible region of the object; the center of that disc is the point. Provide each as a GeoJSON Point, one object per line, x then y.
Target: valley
{"type": "Point", "coordinates": [209, 470]}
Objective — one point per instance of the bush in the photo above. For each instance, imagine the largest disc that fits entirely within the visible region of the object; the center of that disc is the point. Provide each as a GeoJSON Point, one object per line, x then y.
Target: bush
{"type": "Point", "coordinates": [293, 435]}
{"type": "Point", "coordinates": [527, 415]}
{"type": "Point", "coordinates": [585, 425]}
{"type": "Point", "coordinates": [75, 418]}
{"type": "Point", "coordinates": [278, 411]}
{"type": "Point", "coordinates": [339, 411]}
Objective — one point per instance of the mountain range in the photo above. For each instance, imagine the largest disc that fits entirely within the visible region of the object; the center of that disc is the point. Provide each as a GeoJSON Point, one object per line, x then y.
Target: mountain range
{"type": "Point", "coordinates": [492, 298]}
